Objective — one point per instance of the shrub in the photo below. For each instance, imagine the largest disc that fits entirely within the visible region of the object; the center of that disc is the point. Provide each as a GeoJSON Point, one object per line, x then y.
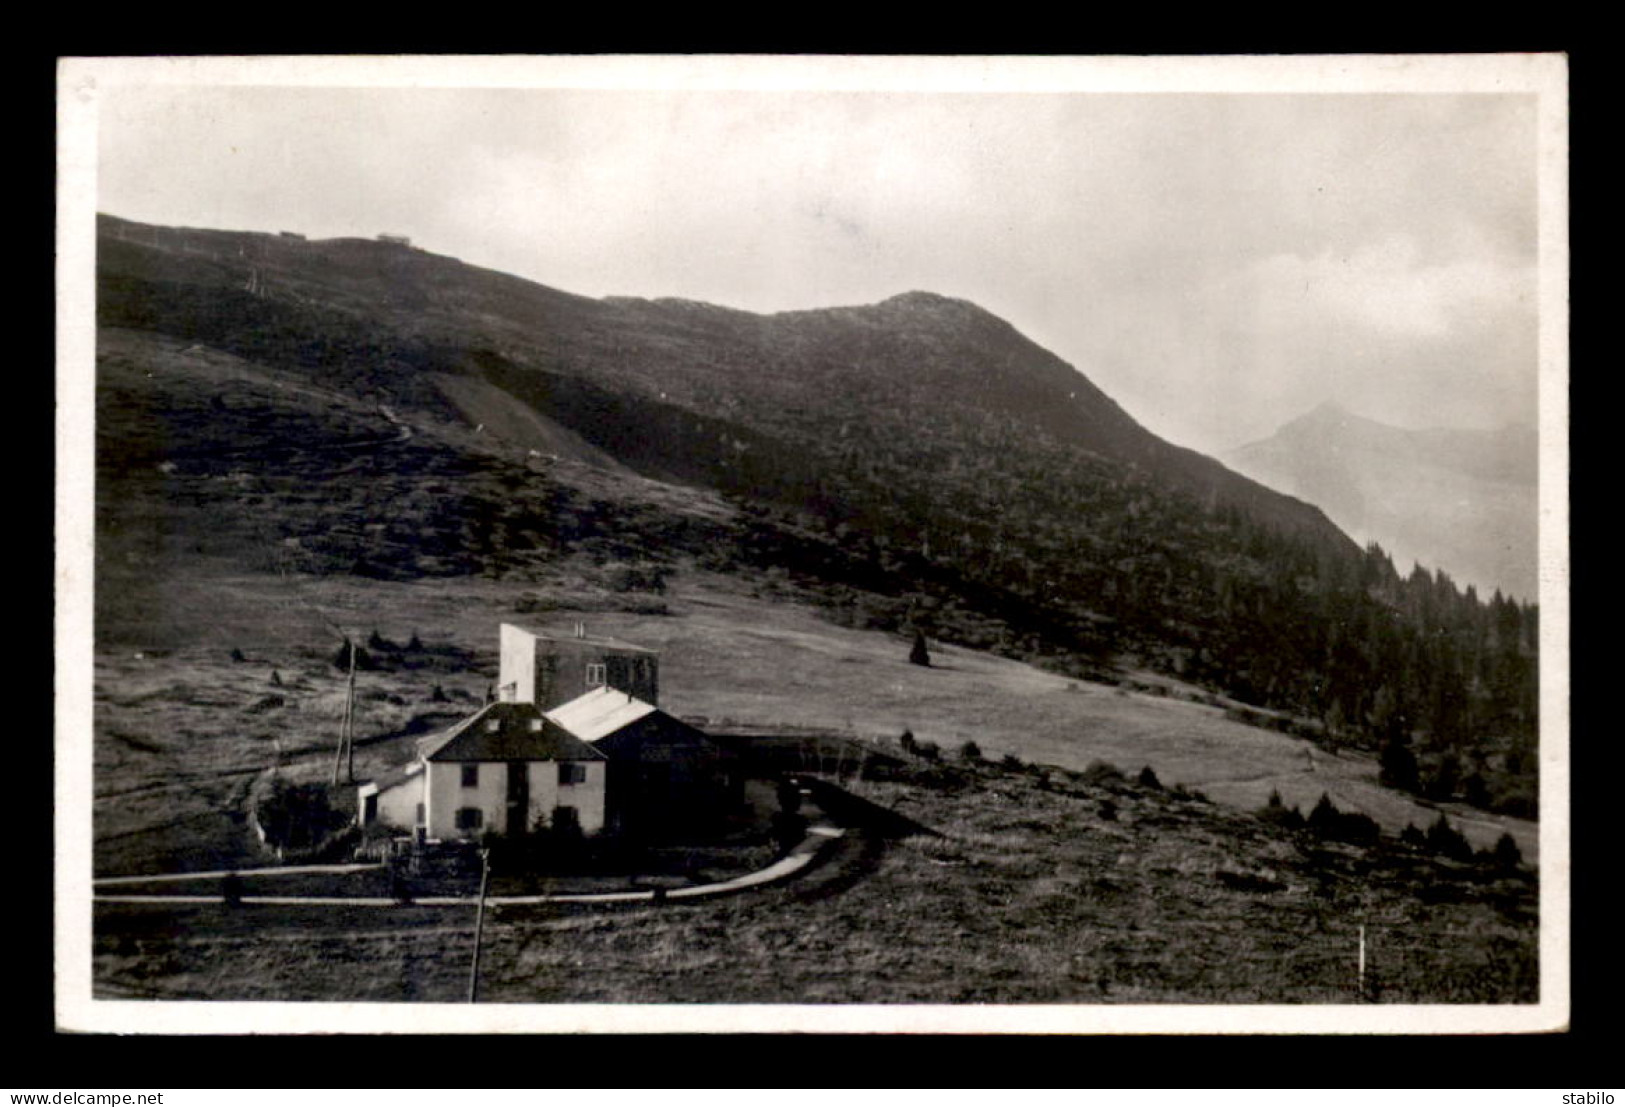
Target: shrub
{"type": "Point", "coordinates": [919, 655]}
{"type": "Point", "coordinates": [1413, 836]}
{"type": "Point", "coordinates": [1507, 855]}
{"type": "Point", "coordinates": [906, 740]}
{"type": "Point", "coordinates": [237, 654]}
{"type": "Point", "coordinates": [1148, 779]}
{"type": "Point", "coordinates": [1097, 771]}
{"type": "Point", "coordinates": [1275, 799]}
{"type": "Point", "coordinates": [929, 750]}
{"type": "Point", "coordinates": [297, 816]}
{"type": "Point", "coordinates": [1108, 811]}
{"type": "Point", "coordinates": [1323, 818]}
{"type": "Point", "coordinates": [1398, 766]}
{"type": "Point", "coordinates": [970, 751]}
{"type": "Point", "coordinates": [1446, 841]}
{"type": "Point", "coordinates": [341, 659]}
{"type": "Point", "coordinates": [1012, 762]}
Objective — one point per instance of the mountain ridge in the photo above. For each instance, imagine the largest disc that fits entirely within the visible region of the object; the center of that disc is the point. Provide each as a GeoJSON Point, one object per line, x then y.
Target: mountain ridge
{"type": "Point", "coordinates": [1463, 500]}
{"type": "Point", "coordinates": [797, 358]}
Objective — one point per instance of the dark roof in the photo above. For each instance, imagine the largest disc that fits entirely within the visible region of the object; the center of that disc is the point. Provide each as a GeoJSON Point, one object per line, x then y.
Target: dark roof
{"type": "Point", "coordinates": [516, 737]}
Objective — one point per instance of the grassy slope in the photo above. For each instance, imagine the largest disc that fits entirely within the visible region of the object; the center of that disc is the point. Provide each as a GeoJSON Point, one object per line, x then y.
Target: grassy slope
{"type": "Point", "coordinates": [181, 733]}
{"type": "Point", "coordinates": [1026, 894]}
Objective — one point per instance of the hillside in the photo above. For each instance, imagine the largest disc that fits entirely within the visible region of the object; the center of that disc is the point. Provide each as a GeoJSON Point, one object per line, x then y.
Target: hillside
{"type": "Point", "coordinates": [268, 405]}
{"type": "Point", "coordinates": [1464, 501]}
{"type": "Point", "coordinates": [298, 441]}
{"type": "Point", "coordinates": [376, 316]}
{"type": "Point", "coordinates": [1020, 884]}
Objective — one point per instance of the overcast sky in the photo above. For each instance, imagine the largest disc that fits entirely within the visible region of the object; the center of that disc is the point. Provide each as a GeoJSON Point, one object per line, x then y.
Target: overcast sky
{"type": "Point", "coordinates": [1217, 263]}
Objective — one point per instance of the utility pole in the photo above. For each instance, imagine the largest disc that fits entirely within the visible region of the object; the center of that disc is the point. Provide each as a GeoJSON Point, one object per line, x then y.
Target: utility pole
{"type": "Point", "coordinates": [349, 722]}
{"type": "Point", "coordinates": [479, 926]}
{"type": "Point", "coordinates": [1361, 977]}
{"type": "Point", "coordinates": [346, 742]}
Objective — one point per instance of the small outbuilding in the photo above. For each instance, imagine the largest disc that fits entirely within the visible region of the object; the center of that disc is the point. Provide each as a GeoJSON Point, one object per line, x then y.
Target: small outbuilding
{"type": "Point", "coordinates": [663, 773]}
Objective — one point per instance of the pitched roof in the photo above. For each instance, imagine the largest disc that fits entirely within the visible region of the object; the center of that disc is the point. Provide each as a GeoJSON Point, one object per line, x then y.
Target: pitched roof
{"type": "Point", "coordinates": [396, 776]}
{"type": "Point", "coordinates": [600, 712]}
{"type": "Point", "coordinates": [506, 731]}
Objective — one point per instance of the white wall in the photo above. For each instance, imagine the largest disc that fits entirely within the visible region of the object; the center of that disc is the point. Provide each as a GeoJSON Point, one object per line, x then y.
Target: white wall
{"type": "Point", "coordinates": [446, 795]}
{"type": "Point", "coordinates": [518, 663]}
{"type": "Point", "coordinates": [398, 807]}
{"type": "Point", "coordinates": [587, 797]}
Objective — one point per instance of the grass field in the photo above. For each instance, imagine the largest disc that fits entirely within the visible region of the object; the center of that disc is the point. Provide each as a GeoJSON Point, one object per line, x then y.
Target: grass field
{"type": "Point", "coordinates": [182, 733]}
{"type": "Point", "coordinates": [1026, 893]}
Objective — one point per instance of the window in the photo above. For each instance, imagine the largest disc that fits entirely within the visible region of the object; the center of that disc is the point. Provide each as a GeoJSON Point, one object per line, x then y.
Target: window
{"type": "Point", "coordinates": [597, 674]}
{"type": "Point", "coordinates": [572, 772]}
{"type": "Point", "coordinates": [471, 776]}
{"type": "Point", "coordinates": [470, 818]}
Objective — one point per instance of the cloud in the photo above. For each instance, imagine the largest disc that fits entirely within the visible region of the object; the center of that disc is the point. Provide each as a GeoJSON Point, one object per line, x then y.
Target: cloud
{"type": "Point", "coordinates": [1386, 286]}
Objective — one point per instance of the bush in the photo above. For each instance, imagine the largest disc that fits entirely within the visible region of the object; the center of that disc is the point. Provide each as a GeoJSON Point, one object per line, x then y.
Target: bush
{"type": "Point", "coordinates": [341, 659]}
{"type": "Point", "coordinates": [1342, 826]}
{"type": "Point", "coordinates": [919, 655]}
{"type": "Point", "coordinates": [1012, 762]}
{"type": "Point", "coordinates": [1446, 841]}
{"type": "Point", "coordinates": [1108, 811]}
{"type": "Point", "coordinates": [1098, 771]}
{"type": "Point", "coordinates": [929, 750]}
{"type": "Point", "coordinates": [970, 751]}
{"type": "Point", "coordinates": [1507, 855]}
{"type": "Point", "coordinates": [1398, 767]}
{"type": "Point", "coordinates": [1413, 836]}
{"type": "Point", "coordinates": [298, 816]}
{"type": "Point", "coordinates": [1148, 779]}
